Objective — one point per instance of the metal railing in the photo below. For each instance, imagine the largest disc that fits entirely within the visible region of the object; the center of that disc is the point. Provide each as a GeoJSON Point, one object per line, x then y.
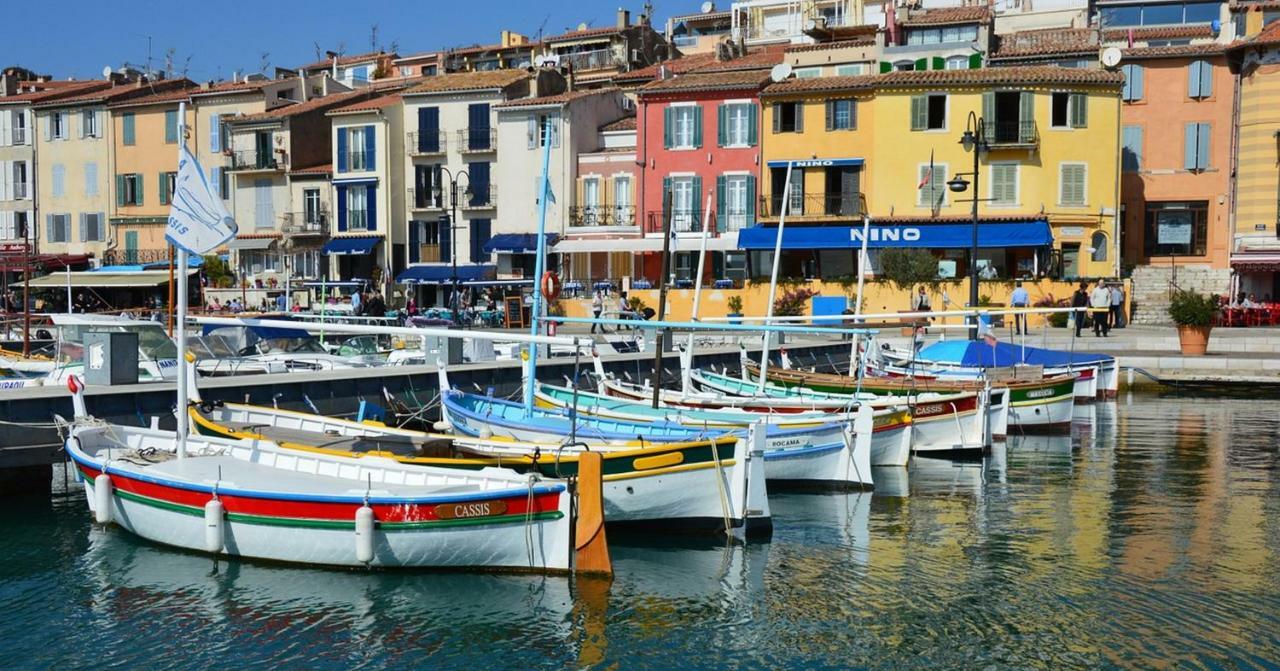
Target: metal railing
{"type": "Point", "coordinates": [602, 215]}
{"type": "Point", "coordinates": [252, 159]}
{"type": "Point", "coordinates": [843, 204]}
{"type": "Point", "coordinates": [1015, 133]}
{"type": "Point", "coordinates": [597, 59]}
{"type": "Point", "coordinates": [20, 190]}
{"type": "Point", "coordinates": [424, 199]}
{"type": "Point", "coordinates": [682, 221]}
{"type": "Point", "coordinates": [298, 223]}
{"type": "Point", "coordinates": [426, 143]}
{"type": "Point", "coordinates": [483, 196]}
{"type": "Point", "coordinates": [130, 257]}
{"type": "Point", "coordinates": [357, 161]}
{"type": "Point", "coordinates": [19, 136]}
{"type": "Point", "coordinates": [472, 140]}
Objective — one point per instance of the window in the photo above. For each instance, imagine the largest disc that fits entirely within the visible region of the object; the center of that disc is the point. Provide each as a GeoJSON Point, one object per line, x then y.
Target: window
{"type": "Point", "coordinates": [737, 125]}
{"type": "Point", "coordinates": [932, 186]}
{"type": "Point", "coordinates": [904, 66]}
{"type": "Point", "coordinates": [1199, 80]}
{"type": "Point", "coordinates": [171, 126]}
{"type": "Point", "coordinates": [788, 117]}
{"type": "Point", "coordinates": [591, 198]}
{"type": "Point", "coordinates": [1196, 146]}
{"type": "Point", "coordinates": [356, 142]}
{"type": "Point", "coordinates": [311, 207]}
{"type": "Point", "coordinates": [1131, 152]}
{"type": "Point", "coordinates": [842, 115]}
{"type": "Point", "coordinates": [1004, 184]}
{"type": "Point", "coordinates": [59, 174]}
{"type": "Point", "coordinates": [429, 241]}
{"type": "Point", "coordinates": [91, 228]}
{"type": "Point", "coordinates": [89, 123]}
{"type": "Point", "coordinates": [1160, 14]}
{"type": "Point", "coordinates": [58, 126]}
{"type": "Point", "coordinates": [1071, 184]}
{"type": "Point", "coordinates": [948, 34]}
{"type": "Point", "coordinates": [168, 184]}
{"type": "Point", "coordinates": [851, 70]}
{"type": "Point", "coordinates": [735, 266]}
{"type": "Point", "coordinates": [1176, 228]}
{"type": "Point", "coordinates": [957, 63]}
{"type": "Point", "coordinates": [734, 194]}
{"type": "Point", "coordinates": [684, 203]}
{"type": "Point", "coordinates": [481, 233]}
{"type": "Point", "coordinates": [684, 127]}
{"type": "Point", "coordinates": [58, 227]}
{"type": "Point", "coordinates": [20, 189]}
{"type": "Point", "coordinates": [223, 180]}
{"type": "Point", "coordinates": [129, 190]}
{"type": "Point", "coordinates": [127, 129]}
{"type": "Point", "coordinates": [808, 73]}
{"type": "Point", "coordinates": [1098, 241]}
{"type": "Point", "coordinates": [539, 126]}
{"type": "Point", "coordinates": [90, 179]}
{"type": "Point", "coordinates": [929, 112]}
{"type": "Point", "coordinates": [357, 208]}
{"type": "Point", "coordinates": [1132, 90]}
{"type": "Point", "coordinates": [13, 225]}
{"type": "Point", "coordinates": [1069, 110]}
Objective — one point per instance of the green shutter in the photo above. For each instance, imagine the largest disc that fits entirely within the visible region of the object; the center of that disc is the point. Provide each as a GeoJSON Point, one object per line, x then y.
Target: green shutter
{"type": "Point", "coordinates": [164, 189]}
{"type": "Point", "coordinates": [751, 200]}
{"type": "Point", "coordinates": [697, 126]}
{"type": "Point", "coordinates": [666, 127]}
{"type": "Point", "coordinates": [919, 112]}
{"type": "Point", "coordinates": [119, 190]}
{"type": "Point", "coordinates": [939, 63]}
{"type": "Point", "coordinates": [666, 203]}
{"type": "Point", "coordinates": [1026, 117]}
{"type": "Point", "coordinates": [975, 61]}
{"type": "Point", "coordinates": [137, 179]}
{"type": "Point", "coordinates": [886, 66]}
{"type": "Point", "coordinates": [722, 125]}
{"type": "Point", "coordinates": [720, 194]}
{"type": "Point", "coordinates": [753, 120]}
{"type": "Point", "coordinates": [1079, 110]}
{"type": "Point", "coordinates": [698, 200]}
{"type": "Point", "coordinates": [921, 64]}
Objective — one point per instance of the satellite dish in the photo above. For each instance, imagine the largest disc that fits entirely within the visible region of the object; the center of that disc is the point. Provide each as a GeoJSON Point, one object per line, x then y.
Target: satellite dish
{"type": "Point", "coordinates": [1111, 57]}
{"type": "Point", "coordinates": [106, 71]}
{"type": "Point", "coordinates": [780, 72]}
{"type": "Point", "coordinates": [582, 26]}
{"type": "Point", "coordinates": [708, 7]}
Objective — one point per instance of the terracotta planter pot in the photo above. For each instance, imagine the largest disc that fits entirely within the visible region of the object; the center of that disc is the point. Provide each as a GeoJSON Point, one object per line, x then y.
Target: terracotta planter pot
{"type": "Point", "coordinates": [1194, 340]}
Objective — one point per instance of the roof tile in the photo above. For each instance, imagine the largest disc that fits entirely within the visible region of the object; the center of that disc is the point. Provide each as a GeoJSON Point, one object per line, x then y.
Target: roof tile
{"type": "Point", "coordinates": [626, 123]}
{"type": "Point", "coordinates": [469, 81]}
{"type": "Point", "coordinates": [368, 104]}
{"type": "Point", "coordinates": [1178, 51]}
{"type": "Point", "coordinates": [709, 81]}
{"type": "Point", "coordinates": [61, 90]}
{"type": "Point", "coordinates": [1161, 33]}
{"type": "Point", "coordinates": [947, 15]}
{"type": "Point", "coordinates": [1014, 75]}
{"type": "Point", "coordinates": [557, 99]}
{"type": "Point", "coordinates": [1046, 42]}
{"type": "Point", "coordinates": [347, 60]}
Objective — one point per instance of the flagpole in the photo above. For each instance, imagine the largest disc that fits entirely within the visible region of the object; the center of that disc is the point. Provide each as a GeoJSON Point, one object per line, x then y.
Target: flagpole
{"type": "Point", "coordinates": [773, 278]}
{"type": "Point", "coordinates": [686, 381]}
{"type": "Point", "coordinates": [535, 315]}
{"type": "Point", "coordinates": [181, 326]}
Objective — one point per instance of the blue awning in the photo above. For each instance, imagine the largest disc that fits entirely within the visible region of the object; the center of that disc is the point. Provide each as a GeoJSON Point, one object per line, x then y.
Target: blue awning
{"type": "Point", "coordinates": [443, 274]}
{"type": "Point", "coordinates": [928, 236]}
{"type": "Point", "coordinates": [817, 163]}
{"type": "Point", "coordinates": [517, 243]}
{"type": "Point", "coordinates": [345, 246]}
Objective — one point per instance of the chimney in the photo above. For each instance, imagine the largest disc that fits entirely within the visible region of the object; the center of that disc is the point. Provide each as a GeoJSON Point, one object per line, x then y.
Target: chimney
{"type": "Point", "coordinates": [624, 18]}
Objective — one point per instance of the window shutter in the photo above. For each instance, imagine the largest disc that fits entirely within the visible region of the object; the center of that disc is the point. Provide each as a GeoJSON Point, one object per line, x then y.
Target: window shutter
{"type": "Point", "coordinates": [1202, 146]}
{"type": "Point", "coordinates": [720, 203]}
{"type": "Point", "coordinates": [800, 116]}
{"type": "Point", "coordinates": [1189, 146]}
{"type": "Point", "coordinates": [84, 227]}
{"type": "Point", "coordinates": [371, 209]}
{"type": "Point", "coordinates": [413, 239]}
{"type": "Point", "coordinates": [91, 179]}
{"type": "Point", "coordinates": [137, 180]}
{"type": "Point", "coordinates": [777, 118]}
{"type": "Point", "coordinates": [170, 126]}
{"type": "Point", "coordinates": [532, 131]}
{"type": "Point", "coordinates": [1131, 154]}
{"type": "Point", "coordinates": [214, 126]}
{"type": "Point", "coordinates": [830, 107]}
{"type": "Point", "coordinates": [751, 200]}
{"type": "Point", "coordinates": [753, 120]}
{"type": "Point", "coordinates": [853, 114]}
{"type": "Point", "coordinates": [1126, 90]}
{"type": "Point", "coordinates": [480, 236]}
{"type": "Point", "coordinates": [975, 61]}
{"type": "Point", "coordinates": [1139, 73]}
{"type": "Point", "coordinates": [1079, 110]}
{"type": "Point", "coordinates": [921, 64]}
{"type": "Point", "coordinates": [989, 116]}
{"type": "Point", "coordinates": [164, 189]}
{"type": "Point", "coordinates": [939, 63]}
{"type": "Point", "coordinates": [554, 120]}
{"type": "Point", "coordinates": [668, 128]}
{"type": "Point", "coordinates": [1026, 117]}
{"type": "Point", "coordinates": [119, 190]}
{"type": "Point", "coordinates": [1206, 78]}
{"type": "Point", "coordinates": [444, 237]}
{"type": "Point", "coordinates": [722, 125]}
{"type": "Point", "coordinates": [1193, 79]}
{"type": "Point", "coordinates": [48, 228]}
{"type": "Point", "coordinates": [48, 128]}
{"type": "Point", "coordinates": [666, 203]}
{"type": "Point", "coordinates": [699, 198]}
{"type": "Point", "coordinates": [370, 144]}
{"type": "Point", "coordinates": [342, 204]}
{"type": "Point", "coordinates": [886, 66]}
{"type": "Point", "coordinates": [82, 124]}
{"type": "Point", "coordinates": [342, 149]}
{"type": "Point", "coordinates": [697, 126]}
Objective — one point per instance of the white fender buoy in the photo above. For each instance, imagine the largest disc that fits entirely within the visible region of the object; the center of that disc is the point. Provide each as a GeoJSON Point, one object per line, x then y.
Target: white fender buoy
{"type": "Point", "coordinates": [485, 432]}
{"type": "Point", "coordinates": [102, 499]}
{"type": "Point", "coordinates": [364, 534]}
{"type": "Point", "coordinates": [214, 526]}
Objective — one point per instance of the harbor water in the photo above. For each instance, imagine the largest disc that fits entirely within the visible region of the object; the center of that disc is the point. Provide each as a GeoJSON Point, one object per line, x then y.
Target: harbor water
{"type": "Point", "coordinates": [1149, 537]}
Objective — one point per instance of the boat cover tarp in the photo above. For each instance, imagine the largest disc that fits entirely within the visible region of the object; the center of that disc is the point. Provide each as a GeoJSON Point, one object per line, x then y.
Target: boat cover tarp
{"type": "Point", "coordinates": [981, 354]}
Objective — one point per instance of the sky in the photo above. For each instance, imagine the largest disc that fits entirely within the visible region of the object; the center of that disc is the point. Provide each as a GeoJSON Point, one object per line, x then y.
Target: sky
{"type": "Point", "coordinates": [80, 37]}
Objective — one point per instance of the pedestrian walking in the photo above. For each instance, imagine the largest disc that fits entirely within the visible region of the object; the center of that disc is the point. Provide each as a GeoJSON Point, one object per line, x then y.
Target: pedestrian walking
{"type": "Point", "coordinates": [1117, 307]}
{"type": "Point", "coordinates": [920, 302]}
{"type": "Point", "coordinates": [597, 307]}
{"type": "Point", "coordinates": [1100, 309]}
{"type": "Point", "coordinates": [1080, 299]}
{"type": "Point", "coordinates": [1020, 300]}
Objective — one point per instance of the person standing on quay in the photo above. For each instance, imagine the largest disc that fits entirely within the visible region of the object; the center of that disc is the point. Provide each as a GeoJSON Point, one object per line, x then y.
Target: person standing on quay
{"type": "Point", "coordinates": [597, 307]}
{"type": "Point", "coordinates": [1100, 309]}
{"type": "Point", "coordinates": [1020, 300]}
{"type": "Point", "coordinates": [1117, 307]}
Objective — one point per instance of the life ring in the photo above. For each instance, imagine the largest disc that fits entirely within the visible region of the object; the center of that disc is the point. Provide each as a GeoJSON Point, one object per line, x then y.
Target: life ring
{"type": "Point", "coordinates": [550, 285]}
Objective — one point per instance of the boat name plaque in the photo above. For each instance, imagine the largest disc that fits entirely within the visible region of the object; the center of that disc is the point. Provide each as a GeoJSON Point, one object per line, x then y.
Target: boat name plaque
{"type": "Point", "coordinates": [455, 511]}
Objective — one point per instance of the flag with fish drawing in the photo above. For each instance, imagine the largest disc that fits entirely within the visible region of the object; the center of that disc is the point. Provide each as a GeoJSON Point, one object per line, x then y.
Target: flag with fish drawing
{"type": "Point", "coordinates": [198, 220]}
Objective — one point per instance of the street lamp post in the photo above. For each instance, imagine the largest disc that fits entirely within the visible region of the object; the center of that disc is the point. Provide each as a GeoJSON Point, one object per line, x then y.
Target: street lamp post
{"type": "Point", "coordinates": [974, 140]}
{"type": "Point", "coordinates": [438, 191]}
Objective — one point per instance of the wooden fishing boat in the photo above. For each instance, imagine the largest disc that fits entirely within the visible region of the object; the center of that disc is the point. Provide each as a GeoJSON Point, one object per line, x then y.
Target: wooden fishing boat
{"type": "Point", "coordinates": [256, 500]}
{"type": "Point", "coordinates": [1098, 374]}
{"type": "Point", "coordinates": [679, 486]}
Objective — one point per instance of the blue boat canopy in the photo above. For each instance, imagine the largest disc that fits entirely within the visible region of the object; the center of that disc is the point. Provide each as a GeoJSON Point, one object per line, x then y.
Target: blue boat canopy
{"type": "Point", "coordinates": [350, 246]}
{"type": "Point", "coordinates": [929, 236]}
{"type": "Point", "coordinates": [444, 274]}
{"type": "Point", "coordinates": [517, 243]}
{"type": "Point", "coordinates": [984, 355]}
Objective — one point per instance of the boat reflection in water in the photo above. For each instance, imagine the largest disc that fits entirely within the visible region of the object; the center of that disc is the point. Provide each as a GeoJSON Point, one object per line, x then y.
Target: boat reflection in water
{"type": "Point", "coordinates": [948, 477]}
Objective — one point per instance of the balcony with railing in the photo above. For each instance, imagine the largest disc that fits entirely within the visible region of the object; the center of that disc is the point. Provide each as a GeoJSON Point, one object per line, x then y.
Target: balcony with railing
{"type": "Point", "coordinates": [427, 143]}
{"type": "Point", "coordinates": [1012, 134]}
{"type": "Point", "coordinates": [133, 257]}
{"type": "Point", "coordinates": [483, 197]}
{"type": "Point", "coordinates": [21, 190]}
{"type": "Point", "coordinates": [683, 220]}
{"type": "Point", "coordinates": [824, 205]}
{"type": "Point", "coordinates": [18, 136]}
{"type": "Point", "coordinates": [252, 159]}
{"type": "Point", "coordinates": [596, 59]}
{"type": "Point", "coordinates": [477, 140]}
{"type": "Point", "coordinates": [424, 199]}
{"type": "Point", "coordinates": [305, 223]}
{"type": "Point", "coordinates": [601, 216]}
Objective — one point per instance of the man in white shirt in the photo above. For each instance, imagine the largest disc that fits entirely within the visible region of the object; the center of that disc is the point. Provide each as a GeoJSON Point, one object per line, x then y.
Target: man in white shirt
{"type": "Point", "coordinates": [1020, 299]}
{"type": "Point", "coordinates": [1100, 309]}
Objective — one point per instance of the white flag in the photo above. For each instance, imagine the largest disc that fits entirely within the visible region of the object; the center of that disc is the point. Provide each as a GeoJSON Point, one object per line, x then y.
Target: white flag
{"type": "Point", "coordinates": [198, 221]}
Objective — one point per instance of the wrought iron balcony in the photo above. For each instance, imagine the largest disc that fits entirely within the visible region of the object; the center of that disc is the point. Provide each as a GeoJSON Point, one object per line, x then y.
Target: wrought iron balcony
{"type": "Point", "coordinates": [1012, 134]}
{"type": "Point", "coordinates": [842, 204]}
{"type": "Point", "coordinates": [601, 215]}
{"type": "Point", "coordinates": [299, 223]}
{"type": "Point", "coordinates": [252, 159]}
{"type": "Point", "coordinates": [596, 59]}
{"type": "Point", "coordinates": [427, 143]}
{"type": "Point", "coordinates": [682, 221]}
{"type": "Point", "coordinates": [133, 257]}
{"type": "Point", "coordinates": [477, 140]}
{"type": "Point", "coordinates": [424, 199]}
{"type": "Point", "coordinates": [483, 197]}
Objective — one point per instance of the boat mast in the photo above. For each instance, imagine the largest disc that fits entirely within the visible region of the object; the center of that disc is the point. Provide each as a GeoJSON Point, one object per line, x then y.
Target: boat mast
{"type": "Point", "coordinates": [857, 301]}
{"type": "Point", "coordinates": [773, 277]}
{"type": "Point", "coordinates": [686, 381]}
{"type": "Point", "coordinates": [535, 320]}
{"type": "Point", "coordinates": [658, 338]}
{"type": "Point", "coordinates": [183, 371]}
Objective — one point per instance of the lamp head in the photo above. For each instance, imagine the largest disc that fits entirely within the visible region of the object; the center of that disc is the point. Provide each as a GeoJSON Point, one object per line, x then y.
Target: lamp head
{"type": "Point", "coordinates": [958, 184]}
{"type": "Point", "coordinates": [968, 140]}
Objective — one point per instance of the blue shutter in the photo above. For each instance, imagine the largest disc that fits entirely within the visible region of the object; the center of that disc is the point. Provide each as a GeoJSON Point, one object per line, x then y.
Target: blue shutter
{"type": "Point", "coordinates": [369, 156]}
{"type": "Point", "coordinates": [751, 200]}
{"type": "Point", "coordinates": [413, 239]}
{"type": "Point", "coordinates": [342, 150]}
{"type": "Point", "coordinates": [1189, 145]}
{"type": "Point", "coordinates": [1137, 89]}
{"type": "Point", "coordinates": [428, 129]}
{"type": "Point", "coordinates": [445, 236]}
{"type": "Point", "coordinates": [479, 173]}
{"type": "Point", "coordinates": [1193, 79]}
{"type": "Point", "coordinates": [1202, 146]}
{"type": "Point", "coordinates": [721, 215]}
{"type": "Point", "coordinates": [1131, 153]}
{"type": "Point", "coordinates": [479, 238]}
{"type": "Point", "coordinates": [216, 176]}
{"type": "Point", "coordinates": [371, 194]}
{"type": "Point", "coordinates": [215, 126]}
{"type": "Point", "coordinates": [342, 208]}
{"type": "Point", "coordinates": [127, 128]}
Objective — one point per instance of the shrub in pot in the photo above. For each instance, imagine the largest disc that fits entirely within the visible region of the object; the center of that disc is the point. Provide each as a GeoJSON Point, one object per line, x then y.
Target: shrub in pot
{"type": "Point", "coordinates": [735, 309]}
{"type": "Point", "coordinates": [1193, 314]}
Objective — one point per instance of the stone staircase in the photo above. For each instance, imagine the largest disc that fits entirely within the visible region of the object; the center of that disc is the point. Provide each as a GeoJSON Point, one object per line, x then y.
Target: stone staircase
{"type": "Point", "coordinates": [1152, 284]}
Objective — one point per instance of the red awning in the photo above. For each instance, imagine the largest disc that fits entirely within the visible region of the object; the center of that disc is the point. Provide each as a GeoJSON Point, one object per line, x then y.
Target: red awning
{"type": "Point", "coordinates": [16, 263]}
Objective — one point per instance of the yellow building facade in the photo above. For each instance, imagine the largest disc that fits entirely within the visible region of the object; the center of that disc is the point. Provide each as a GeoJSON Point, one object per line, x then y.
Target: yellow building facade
{"type": "Point", "coordinates": [1047, 179]}
{"type": "Point", "coordinates": [1255, 252]}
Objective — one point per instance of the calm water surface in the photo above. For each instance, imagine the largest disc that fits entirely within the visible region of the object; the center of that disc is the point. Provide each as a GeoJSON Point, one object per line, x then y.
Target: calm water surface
{"type": "Point", "coordinates": [1150, 537]}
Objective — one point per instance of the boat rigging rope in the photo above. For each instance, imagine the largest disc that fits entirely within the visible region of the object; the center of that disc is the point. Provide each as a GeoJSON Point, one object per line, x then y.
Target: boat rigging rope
{"type": "Point", "coordinates": [724, 496]}
{"type": "Point", "coordinates": [528, 519]}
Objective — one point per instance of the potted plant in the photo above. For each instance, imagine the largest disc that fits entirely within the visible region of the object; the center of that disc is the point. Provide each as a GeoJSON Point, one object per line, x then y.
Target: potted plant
{"type": "Point", "coordinates": [1193, 313]}
{"type": "Point", "coordinates": [1054, 319]}
{"type": "Point", "coordinates": [735, 309]}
